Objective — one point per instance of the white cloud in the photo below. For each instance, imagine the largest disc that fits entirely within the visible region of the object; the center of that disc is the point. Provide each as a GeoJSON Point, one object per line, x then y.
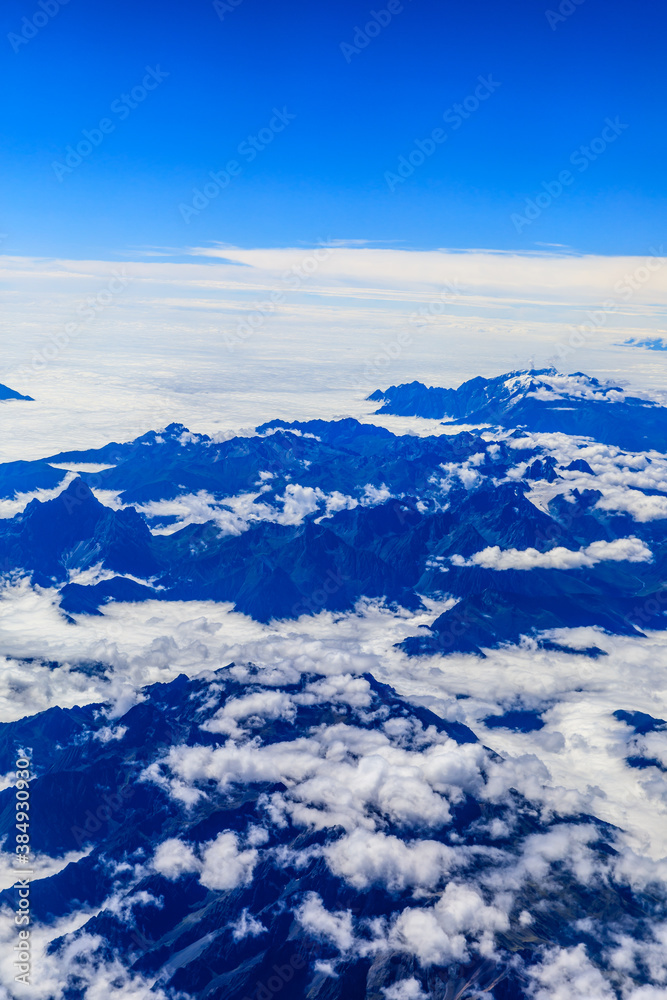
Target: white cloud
{"type": "Point", "coordinates": [299, 501]}
{"type": "Point", "coordinates": [620, 550]}
{"type": "Point", "coordinates": [334, 927]}
{"type": "Point", "coordinates": [364, 858]}
{"type": "Point", "coordinates": [564, 843]}
{"type": "Point", "coordinates": [108, 733]}
{"type": "Point", "coordinates": [619, 475]}
{"type": "Point", "coordinates": [375, 494]}
{"type": "Point", "coordinates": [465, 472]}
{"type": "Point", "coordinates": [262, 704]}
{"type": "Point", "coordinates": [193, 508]}
{"type": "Point", "coordinates": [45, 865]}
{"type": "Point", "coordinates": [407, 989]}
{"type": "Point", "coordinates": [81, 960]}
{"type": "Point", "coordinates": [221, 865]}
{"type": "Point", "coordinates": [234, 515]}
{"type": "Point", "coordinates": [650, 952]}
{"type": "Point", "coordinates": [341, 689]}
{"type": "Point", "coordinates": [18, 503]}
{"type": "Point", "coordinates": [638, 505]}
{"type": "Point", "coordinates": [247, 926]}
{"type": "Point", "coordinates": [174, 858]}
{"type": "Point", "coordinates": [559, 387]}
{"type": "Point", "coordinates": [567, 973]}
{"type": "Point", "coordinates": [582, 747]}
{"type": "Point", "coordinates": [442, 933]}
{"type": "Point", "coordinates": [339, 776]}
{"type": "Point", "coordinates": [224, 865]}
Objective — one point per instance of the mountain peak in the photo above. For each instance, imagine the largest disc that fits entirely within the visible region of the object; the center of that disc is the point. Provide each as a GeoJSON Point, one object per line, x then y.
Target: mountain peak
{"type": "Point", "coordinates": [73, 511]}
{"type": "Point", "coordinates": [539, 400]}
{"type": "Point", "coordinates": [7, 393]}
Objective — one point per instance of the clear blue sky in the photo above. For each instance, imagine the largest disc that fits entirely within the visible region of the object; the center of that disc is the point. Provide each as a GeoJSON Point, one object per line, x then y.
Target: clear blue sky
{"type": "Point", "coordinates": [324, 175]}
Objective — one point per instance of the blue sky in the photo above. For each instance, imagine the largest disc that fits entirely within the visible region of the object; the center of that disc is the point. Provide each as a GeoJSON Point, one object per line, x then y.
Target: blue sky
{"type": "Point", "coordinates": [324, 175]}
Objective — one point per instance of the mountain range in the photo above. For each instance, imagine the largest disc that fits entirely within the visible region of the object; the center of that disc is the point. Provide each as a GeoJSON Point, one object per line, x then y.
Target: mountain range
{"type": "Point", "coordinates": [287, 822]}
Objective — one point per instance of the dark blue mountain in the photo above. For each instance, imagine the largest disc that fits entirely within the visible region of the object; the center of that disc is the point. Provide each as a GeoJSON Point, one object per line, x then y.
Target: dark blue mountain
{"type": "Point", "coordinates": [7, 393]}
{"type": "Point", "coordinates": [75, 530]}
{"type": "Point", "coordinates": [388, 517]}
{"type": "Point", "coordinates": [396, 550]}
{"type": "Point", "coordinates": [24, 477]}
{"type": "Point", "coordinates": [297, 829]}
{"type": "Point", "coordinates": [109, 796]}
{"type": "Point", "coordinates": [539, 400]}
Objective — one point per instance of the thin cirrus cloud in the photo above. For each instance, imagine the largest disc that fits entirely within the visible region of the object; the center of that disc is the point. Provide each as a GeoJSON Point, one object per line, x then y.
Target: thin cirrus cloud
{"type": "Point", "coordinates": [336, 283]}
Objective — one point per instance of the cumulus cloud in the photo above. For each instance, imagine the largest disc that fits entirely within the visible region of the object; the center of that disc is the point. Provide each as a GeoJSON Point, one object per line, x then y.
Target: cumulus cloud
{"type": "Point", "coordinates": [566, 844]}
{"type": "Point", "coordinates": [339, 776]}
{"type": "Point", "coordinates": [341, 689]}
{"type": "Point", "coordinates": [108, 733]}
{"type": "Point", "coordinates": [466, 473]}
{"type": "Point", "coordinates": [195, 508]}
{"type": "Point", "coordinates": [396, 774]}
{"type": "Point", "coordinates": [620, 550]}
{"type": "Point", "coordinates": [566, 973]}
{"type": "Point", "coordinates": [362, 778]}
{"type": "Point", "coordinates": [298, 502]}
{"type": "Point", "coordinates": [640, 506]}
{"type": "Point", "coordinates": [375, 494]}
{"type": "Point", "coordinates": [224, 865]}
{"type": "Point", "coordinates": [67, 957]}
{"type": "Point", "coordinates": [333, 927]}
{"type": "Point", "coordinates": [263, 705]}
{"type": "Point", "coordinates": [364, 858]}
{"type": "Point", "coordinates": [247, 926]}
{"type": "Point", "coordinates": [442, 933]}
{"type": "Point", "coordinates": [576, 762]}
{"type": "Point", "coordinates": [649, 952]}
{"type": "Point", "coordinates": [407, 989]}
{"type": "Point", "coordinates": [622, 477]}
{"type": "Point", "coordinates": [234, 515]}
{"type": "Point", "coordinates": [173, 858]}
